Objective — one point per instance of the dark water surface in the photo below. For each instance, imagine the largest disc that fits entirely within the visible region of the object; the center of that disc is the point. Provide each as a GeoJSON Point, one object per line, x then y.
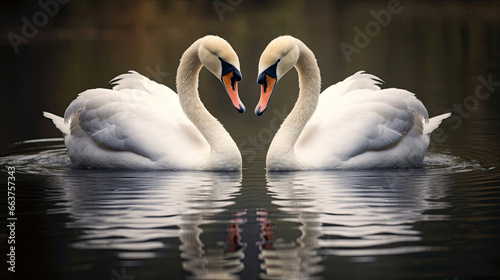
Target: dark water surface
{"type": "Point", "coordinates": [438, 222]}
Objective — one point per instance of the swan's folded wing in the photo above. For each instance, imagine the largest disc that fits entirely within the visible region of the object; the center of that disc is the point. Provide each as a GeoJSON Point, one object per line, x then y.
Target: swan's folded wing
{"type": "Point", "coordinates": [130, 119]}
{"type": "Point", "coordinates": [360, 120]}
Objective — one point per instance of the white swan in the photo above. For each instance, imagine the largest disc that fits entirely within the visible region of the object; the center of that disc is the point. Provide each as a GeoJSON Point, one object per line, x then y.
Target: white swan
{"type": "Point", "coordinates": [140, 124]}
{"type": "Point", "coordinates": [352, 125]}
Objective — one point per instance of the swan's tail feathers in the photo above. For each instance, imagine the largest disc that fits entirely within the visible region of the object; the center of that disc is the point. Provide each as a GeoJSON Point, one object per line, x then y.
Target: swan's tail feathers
{"type": "Point", "coordinates": [58, 122]}
{"type": "Point", "coordinates": [434, 122]}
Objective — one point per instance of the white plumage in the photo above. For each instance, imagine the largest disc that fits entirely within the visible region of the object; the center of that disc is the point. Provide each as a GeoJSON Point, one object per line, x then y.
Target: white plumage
{"type": "Point", "coordinates": [140, 124]}
{"type": "Point", "coordinates": [351, 125]}
{"type": "Point", "coordinates": [130, 127]}
{"type": "Point", "coordinates": [359, 125]}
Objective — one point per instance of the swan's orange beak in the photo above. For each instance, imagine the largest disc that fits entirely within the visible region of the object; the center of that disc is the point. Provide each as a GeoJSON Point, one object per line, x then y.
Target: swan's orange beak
{"type": "Point", "coordinates": [231, 84]}
{"type": "Point", "coordinates": [266, 92]}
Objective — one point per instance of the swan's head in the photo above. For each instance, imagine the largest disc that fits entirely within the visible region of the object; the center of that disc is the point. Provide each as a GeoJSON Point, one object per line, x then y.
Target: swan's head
{"type": "Point", "coordinates": [278, 58]}
{"type": "Point", "coordinates": [217, 55]}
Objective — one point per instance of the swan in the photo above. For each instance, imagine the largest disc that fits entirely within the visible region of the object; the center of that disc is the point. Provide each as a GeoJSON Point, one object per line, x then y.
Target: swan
{"type": "Point", "coordinates": [140, 124]}
{"type": "Point", "coordinates": [353, 124]}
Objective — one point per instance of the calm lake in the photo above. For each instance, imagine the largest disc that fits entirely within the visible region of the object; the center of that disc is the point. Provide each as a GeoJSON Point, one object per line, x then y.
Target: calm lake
{"type": "Point", "coordinates": [441, 221]}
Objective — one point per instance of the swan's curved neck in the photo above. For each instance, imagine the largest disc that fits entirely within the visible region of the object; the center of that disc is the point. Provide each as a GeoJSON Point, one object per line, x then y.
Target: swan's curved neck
{"type": "Point", "coordinates": [223, 150]}
{"type": "Point", "coordinates": [281, 152]}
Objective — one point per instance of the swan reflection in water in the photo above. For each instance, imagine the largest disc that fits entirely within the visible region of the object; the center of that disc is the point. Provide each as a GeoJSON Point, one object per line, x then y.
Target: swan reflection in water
{"type": "Point", "coordinates": [288, 260]}
{"type": "Point", "coordinates": [132, 212]}
{"type": "Point", "coordinates": [355, 214]}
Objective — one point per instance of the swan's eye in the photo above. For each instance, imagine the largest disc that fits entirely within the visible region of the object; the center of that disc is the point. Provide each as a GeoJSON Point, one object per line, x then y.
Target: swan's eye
{"type": "Point", "coordinates": [271, 71]}
{"type": "Point", "coordinates": [228, 67]}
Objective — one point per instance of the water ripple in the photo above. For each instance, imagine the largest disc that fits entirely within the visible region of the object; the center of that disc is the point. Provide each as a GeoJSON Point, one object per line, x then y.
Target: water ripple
{"type": "Point", "coordinates": [359, 214]}
{"type": "Point", "coordinates": [315, 218]}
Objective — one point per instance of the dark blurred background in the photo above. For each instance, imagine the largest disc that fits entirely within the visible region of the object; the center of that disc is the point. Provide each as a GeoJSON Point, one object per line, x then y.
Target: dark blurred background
{"type": "Point", "coordinates": [436, 49]}
{"type": "Point", "coordinates": [440, 50]}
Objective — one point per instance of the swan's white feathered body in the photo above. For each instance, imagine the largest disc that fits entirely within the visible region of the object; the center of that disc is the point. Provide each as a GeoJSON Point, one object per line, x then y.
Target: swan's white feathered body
{"type": "Point", "coordinates": [359, 125]}
{"type": "Point", "coordinates": [140, 124]}
{"type": "Point", "coordinates": [351, 125]}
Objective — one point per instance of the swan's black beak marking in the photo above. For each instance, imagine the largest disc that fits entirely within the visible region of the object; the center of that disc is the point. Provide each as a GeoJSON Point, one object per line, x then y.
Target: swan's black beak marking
{"type": "Point", "coordinates": [230, 78]}
{"type": "Point", "coordinates": [268, 80]}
